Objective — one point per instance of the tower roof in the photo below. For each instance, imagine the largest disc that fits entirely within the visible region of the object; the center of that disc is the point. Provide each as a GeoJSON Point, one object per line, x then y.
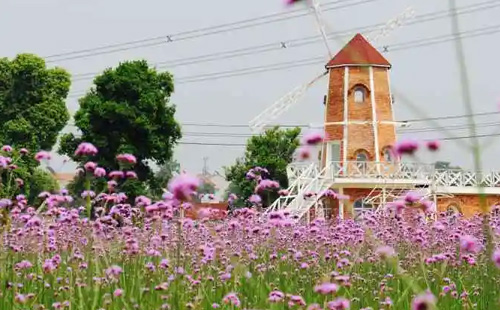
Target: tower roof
{"type": "Point", "coordinates": [358, 51]}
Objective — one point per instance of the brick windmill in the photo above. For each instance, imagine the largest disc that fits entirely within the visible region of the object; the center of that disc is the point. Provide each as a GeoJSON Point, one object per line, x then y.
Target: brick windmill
{"type": "Point", "coordinates": [359, 90]}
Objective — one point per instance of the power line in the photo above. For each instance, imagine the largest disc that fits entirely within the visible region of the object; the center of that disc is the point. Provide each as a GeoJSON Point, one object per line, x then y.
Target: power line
{"type": "Point", "coordinates": [403, 121]}
{"type": "Point", "coordinates": [440, 139]}
{"type": "Point", "coordinates": [403, 131]}
{"type": "Point", "coordinates": [263, 48]}
{"type": "Point", "coordinates": [490, 30]}
{"type": "Point", "coordinates": [201, 32]}
{"type": "Point", "coordinates": [317, 60]}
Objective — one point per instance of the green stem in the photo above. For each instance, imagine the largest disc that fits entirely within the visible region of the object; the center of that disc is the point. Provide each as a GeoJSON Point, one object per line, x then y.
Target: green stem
{"type": "Point", "coordinates": [88, 205]}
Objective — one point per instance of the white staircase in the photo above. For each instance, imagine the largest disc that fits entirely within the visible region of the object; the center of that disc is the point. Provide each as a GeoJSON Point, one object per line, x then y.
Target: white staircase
{"type": "Point", "coordinates": [297, 203]}
{"type": "Point", "coordinates": [380, 196]}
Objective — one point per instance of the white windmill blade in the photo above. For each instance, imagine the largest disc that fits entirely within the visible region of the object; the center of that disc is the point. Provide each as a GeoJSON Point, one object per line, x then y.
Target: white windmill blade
{"type": "Point", "coordinates": [315, 6]}
{"type": "Point", "coordinates": [279, 107]}
{"type": "Point", "coordinates": [391, 25]}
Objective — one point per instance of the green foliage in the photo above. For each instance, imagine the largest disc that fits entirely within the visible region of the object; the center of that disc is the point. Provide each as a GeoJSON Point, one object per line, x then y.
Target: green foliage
{"type": "Point", "coordinates": [272, 150]}
{"type": "Point", "coordinates": [32, 102]}
{"type": "Point", "coordinates": [127, 111]}
{"type": "Point", "coordinates": [32, 113]}
{"type": "Point", "coordinates": [41, 181]}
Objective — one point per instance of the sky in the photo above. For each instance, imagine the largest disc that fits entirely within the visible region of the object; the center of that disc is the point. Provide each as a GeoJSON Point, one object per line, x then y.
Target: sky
{"type": "Point", "coordinates": [425, 79]}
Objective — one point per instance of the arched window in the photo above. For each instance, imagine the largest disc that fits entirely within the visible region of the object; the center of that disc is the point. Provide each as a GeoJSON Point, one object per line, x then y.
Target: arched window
{"type": "Point", "coordinates": [453, 209]}
{"type": "Point", "coordinates": [387, 153]}
{"type": "Point", "coordinates": [359, 94]}
{"type": "Point", "coordinates": [361, 155]}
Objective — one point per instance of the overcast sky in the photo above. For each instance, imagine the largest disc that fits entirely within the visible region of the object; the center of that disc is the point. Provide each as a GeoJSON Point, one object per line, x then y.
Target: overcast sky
{"type": "Point", "coordinates": [427, 76]}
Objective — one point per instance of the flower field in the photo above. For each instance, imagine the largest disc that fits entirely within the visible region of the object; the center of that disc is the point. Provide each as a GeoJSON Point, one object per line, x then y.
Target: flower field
{"type": "Point", "coordinates": [59, 260]}
{"type": "Point", "coordinates": [147, 255]}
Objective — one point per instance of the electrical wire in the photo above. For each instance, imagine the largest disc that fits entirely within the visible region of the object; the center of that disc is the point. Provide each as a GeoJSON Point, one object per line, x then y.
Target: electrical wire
{"type": "Point", "coordinates": [429, 139]}
{"type": "Point", "coordinates": [263, 48]}
{"type": "Point", "coordinates": [192, 34]}
{"type": "Point", "coordinates": [490, 30]}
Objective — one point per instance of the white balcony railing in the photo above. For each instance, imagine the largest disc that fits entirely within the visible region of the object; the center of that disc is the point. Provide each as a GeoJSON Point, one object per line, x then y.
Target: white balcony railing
{"type": "Point", "coordinates": [400, 171]}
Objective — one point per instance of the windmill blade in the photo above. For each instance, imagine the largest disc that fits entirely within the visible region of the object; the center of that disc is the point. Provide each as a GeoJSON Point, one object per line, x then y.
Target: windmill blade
{"type": "Point", "coordinates": [320, 22]}
{"type": "Point", "coordinates": [279, 107]}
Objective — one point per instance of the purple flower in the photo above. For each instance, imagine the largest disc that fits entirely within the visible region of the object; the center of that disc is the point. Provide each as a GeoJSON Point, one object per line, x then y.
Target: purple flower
{"type": "Point", "coordinates": [266, 185]}
{"type": "Point", "coordinates": [25, 264]}
{"type": "Point", "coordinates": [304, 152]}
{"type": "Point", "coordinates": [312, 138]}
{"type": "Point", "coordinates": [126, 158]}
{"type": "Point", "coordinates": [20, 298]}
{"type": "Point", "coordinates": [99, 172]}
{"type": "Point", "coordinates": [326, 288]}
{"type": "Point", "coordinates": [23, 151]}
{"type": "Point", "coordinates": [42, 155]}
{"type": "Point", "coordinates": [130, 175]}
{"type": "Point", "coordinates": [231, 299]}
{"type": "Point", "coordinates": [425, 301]}
{"type": "Point", "coordinates": [116, 174]}
{"type": "Point", "coordinates": [276, 296]}
{"type": "Point", "coordinates": [469, 244]}
{"type": "Point", "coordinates": [412, 197]}
{"type": "Point", "coordinates": [90, 166]}
{"type": "Point", "coordinates": [292, 2]}
{"type": "Point", "coordinates": [433, 145]}
{"type": "Point", "coordinates": [496, 258]}
{"type": "Point", "coordinates": [87, 193]}
{"type": "Point", "coordinates": [114, 271]}
{"type": "Point", "coordinates": [183, 186]}
{"type": "Point", "coordinates": [85, 148]}
{"type": "Point", "coordinates": [408, 147]}
{"type": "Point", "coordinates": [385, 252]}
{"type": "Point", "coordinates": [255, 199]}
{"type": "Point", "coordinates": [118, 292]}
{"type": "Point", "coordinates": [4, 202]}
{"type": "Point", "coordinates": [7, 148]}
{"type": "Point", "coordinates": [339, 304]}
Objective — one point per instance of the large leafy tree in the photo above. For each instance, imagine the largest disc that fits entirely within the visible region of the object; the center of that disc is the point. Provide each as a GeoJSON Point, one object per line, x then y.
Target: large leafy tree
{"type": "Point", "coordinates": [127, 111]}
{"type": "Point", "coordinates": [32, 102]}
{"type": "Point", "coordinates": [272, 150]}
{"type": "Point", "coordinates": [32, 113]}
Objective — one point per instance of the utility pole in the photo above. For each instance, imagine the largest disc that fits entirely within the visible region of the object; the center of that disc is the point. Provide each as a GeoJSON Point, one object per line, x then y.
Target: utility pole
{"type": "Point", "coordinates": [204, 172]}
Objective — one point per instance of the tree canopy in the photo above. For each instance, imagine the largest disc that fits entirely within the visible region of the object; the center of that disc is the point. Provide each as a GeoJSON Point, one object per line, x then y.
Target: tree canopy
{"type": "Point", "coordinates": [32, 102]}
{"type": "Point", "coordinates": [272, 150]}
{"type": "Point", "coordinates": [32, 113]}
{"type": "Point", "coordinates": [127, 111]}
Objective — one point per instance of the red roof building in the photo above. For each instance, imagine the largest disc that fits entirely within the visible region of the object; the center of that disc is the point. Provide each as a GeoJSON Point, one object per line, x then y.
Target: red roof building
{"type": "Point", "coordinates": [358, 52]}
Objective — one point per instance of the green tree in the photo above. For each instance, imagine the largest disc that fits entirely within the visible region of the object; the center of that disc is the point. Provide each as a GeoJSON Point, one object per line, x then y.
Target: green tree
{"type": "Point", "coordinates": [41, 181]}
{"type": "Point", "coordinates": [127, 111]}
{"type": "Point", "coordinates": [32, 102]}
{"type": "Point", "coordinates": [272, 150]}
{"type": "Point", "coordinates": [32, 113]}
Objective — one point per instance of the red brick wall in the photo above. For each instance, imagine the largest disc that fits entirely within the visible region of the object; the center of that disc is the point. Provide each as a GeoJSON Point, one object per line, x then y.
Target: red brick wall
{"type": "Point", "coordinates": [221, 208]}
{"type": "Point", "coordinates": [360, 136]}
{"type": "Point", "coordinates": [468, 205]}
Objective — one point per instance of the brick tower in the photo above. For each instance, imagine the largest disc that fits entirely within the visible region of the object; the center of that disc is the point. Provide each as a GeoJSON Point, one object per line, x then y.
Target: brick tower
{"type": "Point", "coordinates": [359, 121]}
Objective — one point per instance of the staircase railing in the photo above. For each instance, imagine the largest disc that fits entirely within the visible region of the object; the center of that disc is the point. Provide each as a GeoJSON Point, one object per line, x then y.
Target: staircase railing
{"type": "Point", "coordinates": [293, 189]}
